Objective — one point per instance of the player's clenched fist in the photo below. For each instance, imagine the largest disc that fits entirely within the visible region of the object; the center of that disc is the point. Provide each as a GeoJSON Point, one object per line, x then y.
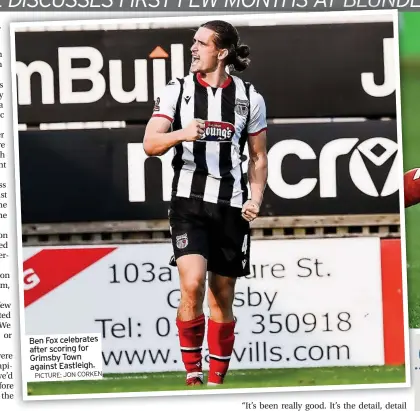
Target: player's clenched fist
{"type": "Point", "coordinates": [194, 130]}
{"type": "Point", "coordinates": [250, 210]}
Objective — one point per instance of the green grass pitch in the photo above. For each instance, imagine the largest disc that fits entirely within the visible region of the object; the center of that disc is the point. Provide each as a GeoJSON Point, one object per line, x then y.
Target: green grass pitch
{"type": "Point", "coordinates": [170, 381]}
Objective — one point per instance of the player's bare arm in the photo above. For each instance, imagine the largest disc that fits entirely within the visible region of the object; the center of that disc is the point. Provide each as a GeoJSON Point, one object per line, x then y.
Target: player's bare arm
{"type": "Point", "coordinates": [257, 174]}
{"type": "Point", "coordinates": [157, 140]}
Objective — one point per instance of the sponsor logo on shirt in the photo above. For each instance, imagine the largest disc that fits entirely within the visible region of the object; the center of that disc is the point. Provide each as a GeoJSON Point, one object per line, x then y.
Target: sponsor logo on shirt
{"type": "Point", "coordinates": [220, 131]}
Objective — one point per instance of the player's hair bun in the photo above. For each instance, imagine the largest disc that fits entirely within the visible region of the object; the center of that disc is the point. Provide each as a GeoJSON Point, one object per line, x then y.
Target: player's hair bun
{"type": "Point", "coordinates": [243, 51]}
{"type": "Point", "coordinates": [239, 58]}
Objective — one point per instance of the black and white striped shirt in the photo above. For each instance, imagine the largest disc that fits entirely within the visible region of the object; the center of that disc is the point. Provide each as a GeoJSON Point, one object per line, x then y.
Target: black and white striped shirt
{"type": "Point", "coordinates": [210, 168]}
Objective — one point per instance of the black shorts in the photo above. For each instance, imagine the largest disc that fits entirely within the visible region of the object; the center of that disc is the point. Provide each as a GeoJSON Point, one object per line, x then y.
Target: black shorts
{"type": "Point", "coordinates": [217, 232]}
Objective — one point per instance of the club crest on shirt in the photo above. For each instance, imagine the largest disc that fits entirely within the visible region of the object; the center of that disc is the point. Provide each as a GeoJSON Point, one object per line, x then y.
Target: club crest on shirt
{"type": "Point", "coordinates": [241, 107]}
{"type": "Point", "coordinates": [220, 131]}
{"type": "Point", "coordinates": [181, 241]}
{"type": "Point", "coordinates": [157, 105]}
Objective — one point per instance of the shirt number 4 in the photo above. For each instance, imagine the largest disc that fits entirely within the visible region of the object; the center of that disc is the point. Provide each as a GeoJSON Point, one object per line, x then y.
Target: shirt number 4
{"type": "Point", "coordinates": [245, 244]}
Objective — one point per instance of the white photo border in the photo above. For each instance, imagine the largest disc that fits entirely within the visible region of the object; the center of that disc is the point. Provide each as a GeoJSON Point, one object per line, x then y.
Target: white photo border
{"type": "Point", "coordinates": [256, 19]}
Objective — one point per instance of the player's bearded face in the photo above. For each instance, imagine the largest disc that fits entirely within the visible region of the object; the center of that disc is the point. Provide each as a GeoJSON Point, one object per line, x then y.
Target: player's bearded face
{"type": "Point", "coordinates": [203, 52]}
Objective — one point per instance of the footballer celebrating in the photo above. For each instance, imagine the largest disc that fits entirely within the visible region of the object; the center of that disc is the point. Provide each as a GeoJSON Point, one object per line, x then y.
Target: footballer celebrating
{"type": "Point", "coordinates": [207, 118]}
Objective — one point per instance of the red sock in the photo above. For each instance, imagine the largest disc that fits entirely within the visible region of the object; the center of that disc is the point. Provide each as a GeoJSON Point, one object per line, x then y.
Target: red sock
{"type": "Point", "coordinates": [220, 338]}
{"type": "Point", "coordinates": [191, 335]}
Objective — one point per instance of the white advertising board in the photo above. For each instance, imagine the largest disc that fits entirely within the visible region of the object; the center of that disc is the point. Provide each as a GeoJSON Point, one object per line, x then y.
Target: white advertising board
{"type": "Point", "coordinates": [307, 303]}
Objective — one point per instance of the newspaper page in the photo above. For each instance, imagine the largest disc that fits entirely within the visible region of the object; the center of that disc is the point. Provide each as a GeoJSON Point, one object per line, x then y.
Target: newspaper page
{"type": "Point", "coordinates": [209, 203]}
